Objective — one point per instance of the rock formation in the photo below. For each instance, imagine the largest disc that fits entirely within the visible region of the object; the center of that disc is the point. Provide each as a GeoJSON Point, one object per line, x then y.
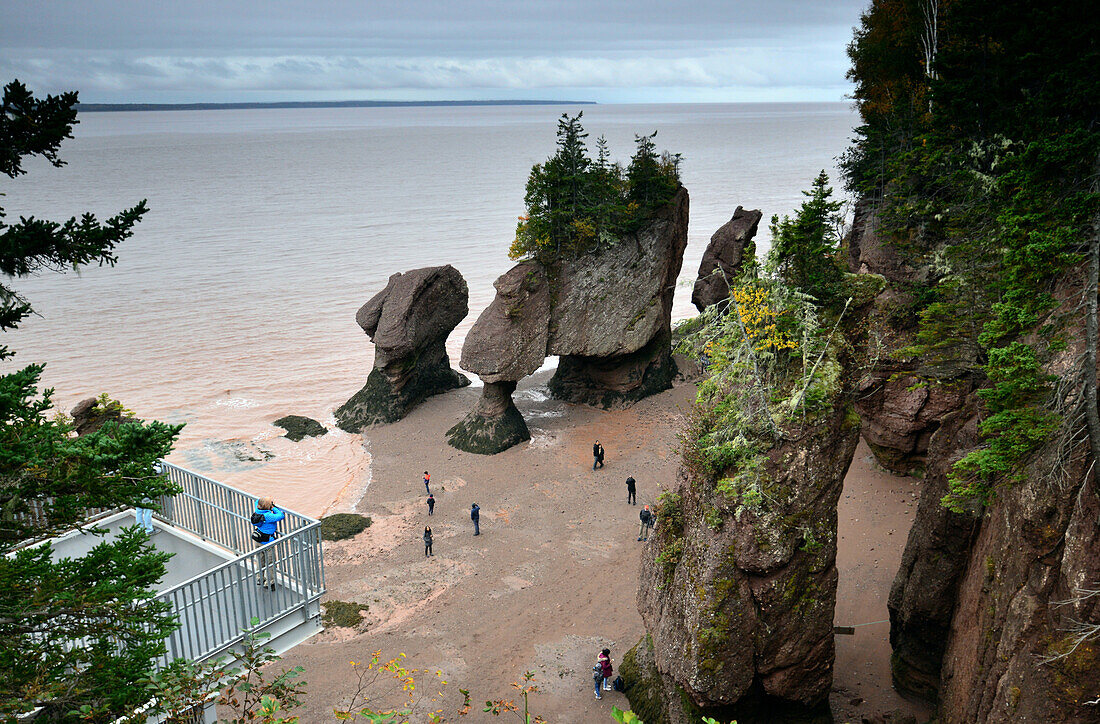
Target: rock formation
{"type": "Point", "coordinates": [91, 413]}
{"type": "Point", "coordinates": [902, 399]}
{"type": "Point", "coordinates": [408, 322]}
{"type": "Point", "coordinates": [606, 314]}
{"type": "Point", "coordinates": [922, 599]}
{"type": "Point", "coordinates": [738, 583]}
{"type": "Point", "coordinates": [299, 427]}
{"type": "Point", "coordinates": [726, 252]}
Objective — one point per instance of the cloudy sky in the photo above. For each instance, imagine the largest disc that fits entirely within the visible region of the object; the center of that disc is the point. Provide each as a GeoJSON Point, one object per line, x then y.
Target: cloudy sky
{"type": "Point", "coordinates": [601, 50]}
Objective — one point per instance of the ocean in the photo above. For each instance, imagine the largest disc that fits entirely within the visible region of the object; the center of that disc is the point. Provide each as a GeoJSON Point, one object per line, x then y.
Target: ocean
{"type": "Point", "coordinates": [234, 302]}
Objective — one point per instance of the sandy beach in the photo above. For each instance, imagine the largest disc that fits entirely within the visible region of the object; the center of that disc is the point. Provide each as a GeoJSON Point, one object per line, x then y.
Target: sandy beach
{"type": "Point", "coordinates": [553, 577]}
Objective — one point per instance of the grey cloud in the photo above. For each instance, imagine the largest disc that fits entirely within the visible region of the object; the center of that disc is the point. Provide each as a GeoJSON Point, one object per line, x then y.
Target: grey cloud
{"type": "Point", "coordinates": [125, 48]}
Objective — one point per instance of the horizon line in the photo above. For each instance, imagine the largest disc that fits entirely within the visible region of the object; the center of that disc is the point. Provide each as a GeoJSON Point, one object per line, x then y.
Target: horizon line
{"type": "Point", "coordinates": [246, 105]}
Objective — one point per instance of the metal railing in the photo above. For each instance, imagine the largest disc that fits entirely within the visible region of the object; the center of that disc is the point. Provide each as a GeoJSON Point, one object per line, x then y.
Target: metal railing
{"type": "Point", "coordinates": [263, 582]}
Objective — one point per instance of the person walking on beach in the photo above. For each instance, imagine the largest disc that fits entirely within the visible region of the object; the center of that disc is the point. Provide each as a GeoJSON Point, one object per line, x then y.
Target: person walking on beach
{"type": "Point", "coordinates": [647, 523]}
{"type": "Point", "coordinates": [604, 660]}
{"type": "Point", "coordinates": [431, 504]}
{"type": "Point", "coordinates": [631, 492]}
{"type": "Point", "coordinates": [475, 515]}
{"type": "Point", "coordinates": [597, 455]}
{"type": "Point", "coordinates": [427, 479]}
{"type": "Point", "coordinates": [265, 519]}
{"type": "Point", "coordinates": [428, 542]}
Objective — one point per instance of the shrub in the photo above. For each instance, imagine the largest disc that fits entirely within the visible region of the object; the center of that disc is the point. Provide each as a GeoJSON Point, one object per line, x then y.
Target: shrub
{"type": "Point", "coordinates": [341, 526]}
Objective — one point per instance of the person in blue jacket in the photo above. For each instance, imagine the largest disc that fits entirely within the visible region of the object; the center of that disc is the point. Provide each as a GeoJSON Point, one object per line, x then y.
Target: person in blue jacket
{"type": "Point", "coordinates": [475, 515]}
{"type": "Point", "coordinates": [266, 531]}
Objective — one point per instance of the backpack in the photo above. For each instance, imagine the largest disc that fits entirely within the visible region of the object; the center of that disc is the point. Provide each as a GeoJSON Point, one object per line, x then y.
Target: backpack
{"type": "Point", "coordinates": [618, 684]}
{"type": "Point", "coordinates": [257, 518]}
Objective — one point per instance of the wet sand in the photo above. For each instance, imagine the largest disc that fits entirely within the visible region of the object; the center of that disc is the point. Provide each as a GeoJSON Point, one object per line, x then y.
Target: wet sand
{"type": "Point", "coordinates": [553, 577]}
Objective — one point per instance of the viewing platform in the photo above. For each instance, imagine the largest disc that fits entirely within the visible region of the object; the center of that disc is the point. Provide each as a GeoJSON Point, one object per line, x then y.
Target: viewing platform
{"type": "Point", "coordinates": [213, 579]}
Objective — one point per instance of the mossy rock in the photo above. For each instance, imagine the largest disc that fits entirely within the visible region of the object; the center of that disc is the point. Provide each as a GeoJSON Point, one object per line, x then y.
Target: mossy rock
{"type": "Point", "coordinates": [489, 436]}
{"type": "Point", "coordinates": [299, 427]}
{"type": "Point", "coordinates": [380, 402]}
{"type": "Point", "coordinates": [341, 526]}
{"type": "Point", "coordinates": [343, 614]}
{"type": "Point", "coordinates": [643, 683]}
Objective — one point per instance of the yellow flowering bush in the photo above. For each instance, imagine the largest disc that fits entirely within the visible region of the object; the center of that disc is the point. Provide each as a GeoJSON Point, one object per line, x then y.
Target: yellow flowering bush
{"type": "Point", "coordinates": [761, 321]}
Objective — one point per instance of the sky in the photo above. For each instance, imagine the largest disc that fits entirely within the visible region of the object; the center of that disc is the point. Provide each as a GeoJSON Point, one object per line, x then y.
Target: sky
{"type": "Point", "coordinates": [608, 51]}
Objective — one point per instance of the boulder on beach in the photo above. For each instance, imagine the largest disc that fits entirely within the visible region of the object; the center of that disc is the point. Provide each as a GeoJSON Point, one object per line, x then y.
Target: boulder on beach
{"type": "Point", "coordinates": [299, 427]}
{"type": "Point", "coordinates": [409, 322]}
{"type": "Point", "coordinates": [725, 254]}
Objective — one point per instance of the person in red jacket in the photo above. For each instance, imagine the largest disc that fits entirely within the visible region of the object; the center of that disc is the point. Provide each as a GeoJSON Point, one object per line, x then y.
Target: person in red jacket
{"type": "Point", "coordinates": [604, 661]}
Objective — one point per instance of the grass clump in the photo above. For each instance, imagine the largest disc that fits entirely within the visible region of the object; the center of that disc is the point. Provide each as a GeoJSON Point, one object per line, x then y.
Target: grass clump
{"type": "Point", "coordinates": [341, 526]}
{"type": "Point", "coordinates": [343, 614]}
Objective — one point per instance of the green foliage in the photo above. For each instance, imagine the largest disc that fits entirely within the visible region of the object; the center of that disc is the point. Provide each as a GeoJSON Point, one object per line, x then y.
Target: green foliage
{"type": "Point", "coordinates": [981, 165]}
{"type": "Point", "coordinates": [1018, 425]}
{"type": "Point", "coordinates": [575, 204]}
{"type": "Point", "coordinates": [625, 717]}
{"type": "Point", "coordinates": [341, 526]}
{"type": "Point", "coordinates": [45, 605]}
{"type": "Point", "coordinates": [247, 686]}
{"type": "Point", "coordinates": [254, 692]}
{"type": "Point", "coordinates": [50, 479]}
{"type": "Point", "coordinates": [105, 599]}
{"type": "Point", "coordinates": [43, 467]}
{"type": "Point", "coordinates": [509, 706]}
{"type": "Point", "coordinates": [804, 249]}
{"type": "Point", "coordinates": [629, 717]}
{"type": "Point", "coordinates": [771, 364]}
{"type": "Point", "coordinates": [31, 126]}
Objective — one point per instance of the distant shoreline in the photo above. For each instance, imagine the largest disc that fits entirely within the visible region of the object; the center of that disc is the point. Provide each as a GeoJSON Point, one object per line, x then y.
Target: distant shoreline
{"type": "Point", "coordinates": [116, 107]}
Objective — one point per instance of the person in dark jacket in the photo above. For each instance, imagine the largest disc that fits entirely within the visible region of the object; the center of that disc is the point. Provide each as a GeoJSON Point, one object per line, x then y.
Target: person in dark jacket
{"type": "Point", "coordinates": [431, 504]}
{"type": "Point", "coordinates": [268, 530]}
{"type": "Point", "coordinates": [475, 515]}
{"type": "Point", "coordinates": [428, 542]}
{"type": "Point", "coordinates": [597, 455]}
{"type": "Point", "coordinates": [647, 523]}
{"type": "Point", "coordinates": [631, 492]}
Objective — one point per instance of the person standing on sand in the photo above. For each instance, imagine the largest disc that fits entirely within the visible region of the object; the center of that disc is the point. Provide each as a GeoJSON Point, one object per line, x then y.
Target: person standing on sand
{"type": "Point", "coordinates": [431, 504]}
{"type": "Point", "coordinates": [427, 479]}
{"type": "Point", "coordinates": [597, 678]}
{"type": "Point", "coordinates": [647, 523]}
{"type": "Point", "coordinates": [597, 455]}
{"type": "Point", "coordinates": [631, 492]}
{"type": "Point", "coordinates": [475, 515]}
{"type": "Point", "coordinates": [428, 542]}
{"type": "Point", "coordinates": [604, 660]}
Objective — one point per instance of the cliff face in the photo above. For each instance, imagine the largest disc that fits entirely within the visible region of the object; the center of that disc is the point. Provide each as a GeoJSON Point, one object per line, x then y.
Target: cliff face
{"type": "Point", "coordinates": [984, 601]}
{"type": "Point", "coordinates": [738, 583]}
{"type": "Point", "coordinates": [606, 314]}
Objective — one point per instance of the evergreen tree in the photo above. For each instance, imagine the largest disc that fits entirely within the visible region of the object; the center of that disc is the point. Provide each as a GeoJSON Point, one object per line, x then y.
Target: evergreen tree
{"type": "Point", "coordinates": [649, 185]}
{"type": "Point", "coordinates": [574, 204]}
{"type": "Point", "coordinates": [804, 249]}
{"type": "Point", "coordinates": [76, 635]}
